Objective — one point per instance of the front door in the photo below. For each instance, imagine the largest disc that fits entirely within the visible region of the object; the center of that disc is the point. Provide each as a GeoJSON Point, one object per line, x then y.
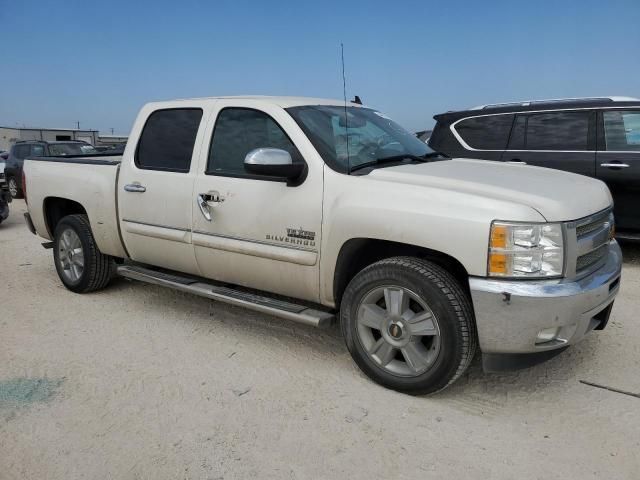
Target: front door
{"type": "Point", "coordinates": [255, 231]}
{"type": "Point", "coordinates": [155, 188]}
{"type": "Point", "coordinates": [564, 140]}
{"type": "Point", "coordinates": [618, 165]}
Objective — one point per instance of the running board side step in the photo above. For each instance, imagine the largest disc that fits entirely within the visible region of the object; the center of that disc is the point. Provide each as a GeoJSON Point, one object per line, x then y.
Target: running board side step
{"type": "Point", "coordinates": [258, 303]}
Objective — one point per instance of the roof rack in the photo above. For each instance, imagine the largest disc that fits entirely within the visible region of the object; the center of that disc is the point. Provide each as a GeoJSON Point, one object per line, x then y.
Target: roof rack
{"type": "Point", "coordinates": [527, 103]}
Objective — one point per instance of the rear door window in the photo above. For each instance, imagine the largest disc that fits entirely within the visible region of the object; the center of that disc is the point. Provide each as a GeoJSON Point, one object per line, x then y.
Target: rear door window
{"type": "Point", "coordinates": [558, 131]}
{"type": "Point", "coordinates": [167, 140]}
{"type": "Point", "coordinates": [486, 133]}
{"type": "Point", "coordinates": [622, 130]}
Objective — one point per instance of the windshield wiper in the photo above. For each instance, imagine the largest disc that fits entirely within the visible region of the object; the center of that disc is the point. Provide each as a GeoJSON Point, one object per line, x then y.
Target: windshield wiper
{"type": "Point", "coordinates": [391, 159]}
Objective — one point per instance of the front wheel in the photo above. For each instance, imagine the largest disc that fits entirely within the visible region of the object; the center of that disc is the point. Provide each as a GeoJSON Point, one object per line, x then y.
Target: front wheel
{"type": "Point", "coordinates": [408, 325]}
{"type": "Point", "coordinates": [81, 266]}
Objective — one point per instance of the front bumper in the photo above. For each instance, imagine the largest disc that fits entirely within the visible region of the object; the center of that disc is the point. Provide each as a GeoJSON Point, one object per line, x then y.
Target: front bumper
{"type": "Point", "coordinates": [511, 314]}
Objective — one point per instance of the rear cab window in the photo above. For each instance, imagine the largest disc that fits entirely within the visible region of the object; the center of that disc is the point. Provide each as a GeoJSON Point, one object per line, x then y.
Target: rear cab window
{"type": "Point", "coordinates": [37, 150]}
{"type": "Point", "coordinates": [485, 133]}
{"type": "Point", "coordinates": [622, 130]}
{"type": "Point", "coordinates": [167, 140]}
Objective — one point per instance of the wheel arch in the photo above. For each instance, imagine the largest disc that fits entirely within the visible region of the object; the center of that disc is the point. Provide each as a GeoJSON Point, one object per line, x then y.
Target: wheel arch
{"type": "Point", "coordinates": [358, 253]}
{"type": "Point", "coordinates": [56, 208]}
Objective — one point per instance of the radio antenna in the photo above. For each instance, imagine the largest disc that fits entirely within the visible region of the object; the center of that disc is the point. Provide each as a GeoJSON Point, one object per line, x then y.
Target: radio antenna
{"type": "Point", "coordinates": [346, 120]}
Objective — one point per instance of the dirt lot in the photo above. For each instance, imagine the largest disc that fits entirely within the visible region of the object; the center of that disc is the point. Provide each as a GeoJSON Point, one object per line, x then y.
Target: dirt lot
{"type": "Point", "coordinates": [140, 382]}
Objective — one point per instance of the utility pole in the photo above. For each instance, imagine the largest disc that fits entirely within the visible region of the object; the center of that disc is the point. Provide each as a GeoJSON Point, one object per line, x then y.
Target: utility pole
{"type": "Point", "coordinates": [111, 130]}
{"type": "Point", "coordinates": [78, 122]}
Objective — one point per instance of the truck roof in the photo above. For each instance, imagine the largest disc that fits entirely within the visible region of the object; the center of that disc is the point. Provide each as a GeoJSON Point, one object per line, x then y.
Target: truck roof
{"type": "Point", "coordinates": [282, 101]}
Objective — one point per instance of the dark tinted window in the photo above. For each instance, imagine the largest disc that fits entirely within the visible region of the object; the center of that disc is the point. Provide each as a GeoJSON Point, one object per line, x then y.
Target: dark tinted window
{"type": "Point", "coordinates": [516, 142]}
{"type": "Point", "coordinates": [622, 130]}
{"type": "Point", "coordinates": [237, 132]}
{"type": "Point", "coordinates": [22, 151]}
{"type": "Point", "coordinates": [167, 139]}
{"type": "Point", "coordinates": [558, 131]}
{"type": "Point", "coordinates": [486, 133]}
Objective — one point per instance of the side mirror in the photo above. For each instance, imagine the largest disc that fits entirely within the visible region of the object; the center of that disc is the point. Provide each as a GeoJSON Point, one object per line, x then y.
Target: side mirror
{"type": "Point", "coordinates": [4, 155]}
{"type": "Point", "coordinates": [272, 162]}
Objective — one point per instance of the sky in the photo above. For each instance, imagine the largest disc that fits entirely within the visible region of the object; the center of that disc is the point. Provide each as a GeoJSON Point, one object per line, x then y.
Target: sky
{"type": "Point", "coordinates": [98, 62]}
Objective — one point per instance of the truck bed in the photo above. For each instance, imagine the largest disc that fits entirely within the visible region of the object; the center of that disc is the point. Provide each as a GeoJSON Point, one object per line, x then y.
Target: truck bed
{"type": "Point", "coordinates": [89, 180]}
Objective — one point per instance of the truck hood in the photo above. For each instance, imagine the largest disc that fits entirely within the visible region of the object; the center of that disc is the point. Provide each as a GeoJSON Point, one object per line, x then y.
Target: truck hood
{"type": "Point", "coordinates": [556, 195]}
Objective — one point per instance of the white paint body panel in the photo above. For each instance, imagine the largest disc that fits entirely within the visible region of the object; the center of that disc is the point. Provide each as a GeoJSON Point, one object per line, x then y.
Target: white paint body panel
{"type": "Point", "coordinates": [445, 206]}
{"type": "Point", "coordinates": [92, 186]}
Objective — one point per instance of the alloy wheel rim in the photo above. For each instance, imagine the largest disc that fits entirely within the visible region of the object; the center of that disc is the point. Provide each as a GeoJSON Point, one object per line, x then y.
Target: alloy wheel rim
{"type": "Point", "coordinates": [398, 331]}
{"type": "Point", "coordinates": [70, 255]}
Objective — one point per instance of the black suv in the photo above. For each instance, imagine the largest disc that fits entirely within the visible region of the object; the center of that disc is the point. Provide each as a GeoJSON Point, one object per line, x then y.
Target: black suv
{"type": "Point", "coordinates": [598, 137]}
{"type": "Point", "coordinates": [36, 148]}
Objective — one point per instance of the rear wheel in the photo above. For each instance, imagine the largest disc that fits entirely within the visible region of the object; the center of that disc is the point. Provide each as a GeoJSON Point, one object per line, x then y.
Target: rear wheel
{"type": "Point", "coordinates": [81, 266]}
{"type": "Point", "coordinates": [408, 325]}
{"type": "Point", "coordinates": [14, 188]}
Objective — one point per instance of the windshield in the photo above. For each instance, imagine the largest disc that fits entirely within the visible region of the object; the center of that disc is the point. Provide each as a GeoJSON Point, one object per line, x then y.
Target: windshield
{"type": "Point", "coordinates": [71, 149]}
{"type": "Point", "coordinates": [364, 136]}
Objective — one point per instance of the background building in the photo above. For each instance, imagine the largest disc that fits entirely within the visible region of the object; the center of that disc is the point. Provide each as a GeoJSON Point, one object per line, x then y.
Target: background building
{"type": "Point", "coordinates": [109, 140]}
{"type": "Point", "coordinates": [10, 135]}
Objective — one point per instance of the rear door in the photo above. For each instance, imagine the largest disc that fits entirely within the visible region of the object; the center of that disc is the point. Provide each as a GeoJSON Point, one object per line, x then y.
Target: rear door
{"type": "Point", "coordinates": [155, 187]}
{"type": "Point", "coordinates": [618, 164]}
{"type": "Point", "coordinates": [564, 140]}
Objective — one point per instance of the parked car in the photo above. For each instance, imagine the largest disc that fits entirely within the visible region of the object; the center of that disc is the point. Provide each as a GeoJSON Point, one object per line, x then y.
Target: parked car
{"type": "Point", "coordinates": [3, 159]}
{"type": "Point", "coordinates": [597, 137]}
{"type": "Point", "coordinates": [5, 197]}
{"type": "Point", "coordinates": [37, 148]}
{"type": "Point", "coordinates": [261, 202]}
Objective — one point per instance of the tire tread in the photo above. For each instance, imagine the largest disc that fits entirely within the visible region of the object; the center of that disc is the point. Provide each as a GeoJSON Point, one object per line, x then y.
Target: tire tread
{"type": "Point", "coordinates": [457, 298]}
{"type": "Point", "coordinates": [100, 267]}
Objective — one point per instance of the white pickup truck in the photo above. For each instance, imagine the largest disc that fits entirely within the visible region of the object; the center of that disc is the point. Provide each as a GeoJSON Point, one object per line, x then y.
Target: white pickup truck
{"type": "Point", "coordinates": [311, 209]}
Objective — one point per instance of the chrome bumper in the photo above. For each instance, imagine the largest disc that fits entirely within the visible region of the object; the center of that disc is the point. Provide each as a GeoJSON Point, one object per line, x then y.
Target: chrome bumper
{"type": "Point", "coordinates": [511, 314]}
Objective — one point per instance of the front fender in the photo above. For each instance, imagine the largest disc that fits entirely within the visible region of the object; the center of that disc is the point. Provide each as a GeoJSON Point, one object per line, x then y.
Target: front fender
{"type": "Point", "coordinates": [453, 223]}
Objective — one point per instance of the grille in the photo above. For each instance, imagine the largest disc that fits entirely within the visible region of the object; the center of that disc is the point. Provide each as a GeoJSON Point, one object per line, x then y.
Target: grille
{"type": "Point", "coordinates": [592, 226]}
{"type": "Point", "coordinates": [592, 236]}
{"type": "Point", "coordinates": [591, 258]}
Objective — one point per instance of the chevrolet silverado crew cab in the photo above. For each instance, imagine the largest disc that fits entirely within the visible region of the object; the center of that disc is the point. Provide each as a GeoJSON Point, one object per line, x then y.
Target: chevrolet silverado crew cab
{"type": "Point", "coordinates": [313, 210]}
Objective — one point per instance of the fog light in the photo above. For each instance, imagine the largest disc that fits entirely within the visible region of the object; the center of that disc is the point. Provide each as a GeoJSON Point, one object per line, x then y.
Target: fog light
{"type": "Point", "coordinates": [548, 335]}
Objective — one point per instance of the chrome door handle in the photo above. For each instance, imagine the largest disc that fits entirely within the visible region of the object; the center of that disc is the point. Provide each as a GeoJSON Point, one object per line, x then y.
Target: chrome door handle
{"type": "Point", "coordinates": [204, 207]}
{"type": "Point", "coordinates": [614, 165]}
{"type": "Point", "coordinates": [516, 162]}
{"type": "Point", "coordinates": [135, 187]}
{"type": "Point", "coordinates": [212, 196]}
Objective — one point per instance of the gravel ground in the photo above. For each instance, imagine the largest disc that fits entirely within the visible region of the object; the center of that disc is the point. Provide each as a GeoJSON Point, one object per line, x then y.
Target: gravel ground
{"type": "Point", "coordinates": [137, 381]}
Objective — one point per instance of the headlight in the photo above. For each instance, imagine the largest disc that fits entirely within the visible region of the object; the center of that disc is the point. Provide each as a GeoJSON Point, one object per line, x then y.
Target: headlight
{"type": "Point", "coordinates": [521, 250]}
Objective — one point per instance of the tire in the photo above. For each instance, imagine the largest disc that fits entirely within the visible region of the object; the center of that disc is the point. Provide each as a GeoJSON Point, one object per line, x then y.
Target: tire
{"type": "Point", "coordinates": [14, 188]}
{"type": "Point", "coordinates": [74, 247]}
{"type": "Point", "coordinates": [431, 332]}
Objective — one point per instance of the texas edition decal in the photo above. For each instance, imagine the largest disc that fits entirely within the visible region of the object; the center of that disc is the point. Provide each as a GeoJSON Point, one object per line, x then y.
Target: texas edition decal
{"type": "Point", "coordinates": [296, 236]}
